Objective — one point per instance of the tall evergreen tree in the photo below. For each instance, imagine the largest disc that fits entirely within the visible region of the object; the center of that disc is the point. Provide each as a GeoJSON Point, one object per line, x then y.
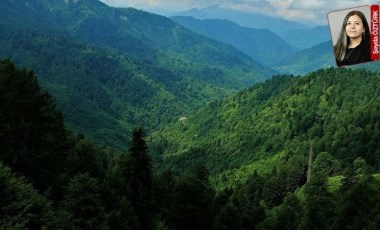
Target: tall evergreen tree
{"type": "Point", "coordinates": [33, 138]}
{"type": "Point", "coordinates": [140, 181]}
{"type": "Point", "coordinates": [193, 201]}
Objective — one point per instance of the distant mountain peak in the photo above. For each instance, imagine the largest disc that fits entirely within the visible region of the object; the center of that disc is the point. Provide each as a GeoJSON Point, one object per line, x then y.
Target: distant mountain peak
{"type": "Point", "coordinates": [246, 19]}
{"type": "Point", "coordinates": [262, 45]}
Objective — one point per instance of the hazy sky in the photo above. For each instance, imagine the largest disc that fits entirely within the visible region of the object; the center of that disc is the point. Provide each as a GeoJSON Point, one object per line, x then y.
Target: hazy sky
{"type": "Point", "coordinates": [306, 11]}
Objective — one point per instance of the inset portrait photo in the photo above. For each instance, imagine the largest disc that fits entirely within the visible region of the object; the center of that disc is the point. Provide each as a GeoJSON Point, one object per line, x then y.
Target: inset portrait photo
{"type": "Point", "coordinates": [351, 35]}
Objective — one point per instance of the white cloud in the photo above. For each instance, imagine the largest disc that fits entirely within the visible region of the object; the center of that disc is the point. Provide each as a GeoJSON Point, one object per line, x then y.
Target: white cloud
{"type": "Point", "coordinates": [308, 5]}
{"type": "Point", "coordinates": [306, 11]}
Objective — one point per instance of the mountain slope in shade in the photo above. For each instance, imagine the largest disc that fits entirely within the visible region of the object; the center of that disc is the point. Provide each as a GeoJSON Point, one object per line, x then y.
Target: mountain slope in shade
{"type": "Point", "coordinates": [306, 38]}
{"type": "Point", "coordinates": [304, 61]}
{"type": "Point", "coordinates": [114, 69]}
{"type": "Point", "coordinates": [252, 20]}
{"type": "Point", "coordinates": [136, 33]}
{"type": "Point", "coordinates": [319, 56]}
{"type": "Point", "coordinates": [260, 44]}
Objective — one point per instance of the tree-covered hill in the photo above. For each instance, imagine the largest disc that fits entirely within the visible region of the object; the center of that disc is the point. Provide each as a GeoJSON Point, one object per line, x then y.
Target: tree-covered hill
{"type": "Point", "coordinates": [243, 18]}
{"type": "Point", "coordinates": [310, 36]}
{"type": "Point", "coordinates": [52, 179]}
{"type": "Point", "coordinates": [105, 94]}
{"type": "Point", "coordinates": [112, 69]}
{"type": "Point", "coordinates": [130, 31]}
{"type": "Point", "coordinates": [261, 44]}
{"type": "Point", "coordinates": [330, 110]}
{"type": "Point", "coordinates": [307, 60]}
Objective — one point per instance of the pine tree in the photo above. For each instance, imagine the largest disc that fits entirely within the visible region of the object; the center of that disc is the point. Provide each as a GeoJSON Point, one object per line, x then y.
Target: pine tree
{"type": "Point", "coordinates": [140, 181]}
{"type": "Point", "coordinates": [33, 138]}
{"type": "Point", "coordinates": [193, 201]}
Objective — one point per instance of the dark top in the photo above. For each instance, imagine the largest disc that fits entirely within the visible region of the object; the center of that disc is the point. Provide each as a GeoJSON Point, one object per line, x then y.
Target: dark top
{"type": "Point", "coordinates": [361, 53]}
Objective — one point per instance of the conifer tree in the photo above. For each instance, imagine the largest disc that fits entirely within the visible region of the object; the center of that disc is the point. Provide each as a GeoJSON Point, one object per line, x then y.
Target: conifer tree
{"type": "Point", "coordinates": [33, 137]}
{"type": "Point", "coordinates": [193, 201]}
{"type": "Point", "coordinates": [140, 181]}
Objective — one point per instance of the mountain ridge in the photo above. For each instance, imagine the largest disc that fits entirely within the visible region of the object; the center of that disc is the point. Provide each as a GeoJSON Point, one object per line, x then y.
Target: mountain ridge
{"type": "Point", "coordinates": [252, 20]}
{"type": "Point", "coordinates": [98, 51]}
{"type": "Point", "coordinates": [310, 36]}
{"type": "Point", "coordinates": [276, 120]}
{"type": "Point", "coordinates": [261, 44]}
{"type": "Point", "coordinates": [307, 60]}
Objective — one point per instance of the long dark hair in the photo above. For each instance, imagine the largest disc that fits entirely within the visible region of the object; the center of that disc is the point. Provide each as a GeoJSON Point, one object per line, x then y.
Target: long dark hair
{"type": "Point", "coordinates": [343, 40]}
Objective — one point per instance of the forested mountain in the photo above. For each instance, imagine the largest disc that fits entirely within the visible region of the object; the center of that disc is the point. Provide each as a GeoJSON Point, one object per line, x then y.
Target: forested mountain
{"type": "Point", "coordinates": [51, 179]}
{"type": "Point", "coordinates": [246, 19]}
{"type": "Point", "coordinates": [112, 69]}
{"type": "Point", "coordinates": [332, 111]}
{"type": "Point", "coordinates": [289, 153]}
{"type": "Point", "coordinates": [306, 38]}
{"type": "Point", "coordinates": [296, 51]}
{"type": "Point", "coordinates": [260, 44]}
{"type": "Point", "coordinates": [319, 56]}
{"type": "Point", "coordinates": [307, 60]}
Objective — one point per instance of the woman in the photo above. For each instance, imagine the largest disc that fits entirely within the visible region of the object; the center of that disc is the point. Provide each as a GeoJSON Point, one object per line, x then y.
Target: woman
{"type": "Point", "coordinates": [353, 46]}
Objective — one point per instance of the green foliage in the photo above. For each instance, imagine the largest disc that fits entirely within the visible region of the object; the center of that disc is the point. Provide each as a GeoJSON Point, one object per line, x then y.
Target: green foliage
{"type": "Point", "coordinates": [192, 205]}
{"type": "Point", "coordinates": [319, 203]}
{"type": "Point", "coordinates": [326, 164]}
{"type": "Point", "coordinates": [98, 188]}
{"type": "Point", "coordinates": [21, 206]}
{"type": "Point", "coordinates": [337, 108]}
{"type": "Point", "coordinates": [114, 69]}
{"type": "Point", "coordinates": [140, 181]}
{"type": "Point", "coordinates": [241, 208]}
{"type": "Point", "coordinates": [83, 159]}
{"type": "Point", "coordinates": [358, 205]}
{"type": "Point", "coordinates": [334, 111]}
{"type": "Point", "coordinates": [307, 60]}
{"type": "Point", "coordinates": [82, 201]}
{"type": "Point", "coordinates": [33, 138]}
{"type": "Point", "coordinates": [260, 44]}
{"type": "Point", "coordinates": [334, 183]}
{"type": "Point", "coordinates": [286, 216]}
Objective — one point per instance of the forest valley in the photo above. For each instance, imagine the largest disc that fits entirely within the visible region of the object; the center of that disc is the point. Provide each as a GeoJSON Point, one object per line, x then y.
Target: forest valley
{"type": "Point", "coordinates": [319, 136]}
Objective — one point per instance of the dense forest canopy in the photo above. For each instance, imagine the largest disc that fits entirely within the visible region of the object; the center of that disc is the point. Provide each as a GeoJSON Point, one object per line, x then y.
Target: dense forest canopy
{"type": "Point", "coordinates": [116, 118]}
{"type": "Point", "coordinates": [330, 110]}
{"type": "Point", "coordinates": [119, 68]}
{"type": "Point", "coordinates": [53, 179]}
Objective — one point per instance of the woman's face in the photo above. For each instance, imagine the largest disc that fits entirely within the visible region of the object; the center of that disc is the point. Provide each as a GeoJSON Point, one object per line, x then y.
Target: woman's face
{"type": "Point", "coordinates": [354, 27]}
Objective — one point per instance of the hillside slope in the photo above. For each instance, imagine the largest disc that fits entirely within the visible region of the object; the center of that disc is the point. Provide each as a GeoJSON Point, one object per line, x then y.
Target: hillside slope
{"type": "Point", "coordinates": [246, 19]}
{"type": "Point", "coordinates": [113, 69]}
{"type": "Point", "coordinates": [260, 44]}
{"type": "Point", "coordinates": [331, 110]}
{"type": "Point", "coordinates": [307, 60]}
{"type": "Point", "coordinates": [310, 36]}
